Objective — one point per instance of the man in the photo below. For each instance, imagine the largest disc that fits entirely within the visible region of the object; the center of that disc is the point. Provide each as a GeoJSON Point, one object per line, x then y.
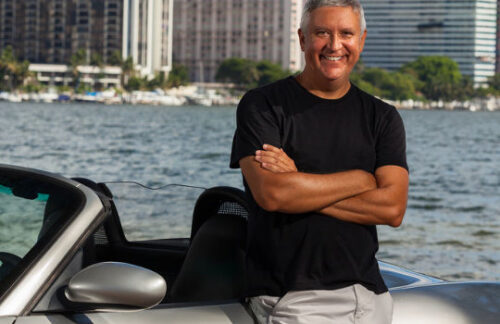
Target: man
{"type": "Point", "coordinates": [323, 163]}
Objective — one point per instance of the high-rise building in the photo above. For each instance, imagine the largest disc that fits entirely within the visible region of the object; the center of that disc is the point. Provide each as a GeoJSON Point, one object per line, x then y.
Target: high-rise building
{"type": "Point", "coordinates": [51, 31]}
{"type": "Point", "coordinates": [208, 31]}
{"type": "Point", "coordinates": [147, 34]}
{"type": "Point", "coordinates": [399, 31]}
{"type": "Point", "coordinates": [11, 24]}
{"type": "Point", "coordinates": [97, 26]}
{"type": "Point", "coordinates": [497, 69]}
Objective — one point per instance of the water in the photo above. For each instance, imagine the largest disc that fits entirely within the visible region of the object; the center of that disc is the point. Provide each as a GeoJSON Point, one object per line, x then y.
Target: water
{"type": "Point", "coordinates": [451, 228]}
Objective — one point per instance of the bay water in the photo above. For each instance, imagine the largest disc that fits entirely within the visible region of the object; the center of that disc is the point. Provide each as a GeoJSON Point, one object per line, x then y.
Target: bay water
{"type": "Point", "coordinates": [452, 224]}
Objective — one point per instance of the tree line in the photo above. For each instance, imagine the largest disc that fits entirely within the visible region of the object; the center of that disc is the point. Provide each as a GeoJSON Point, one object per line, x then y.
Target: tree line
{"type": "Point", "coordinates": [14, 73]}
{"type": "Point", "coordinates": [426, 78]}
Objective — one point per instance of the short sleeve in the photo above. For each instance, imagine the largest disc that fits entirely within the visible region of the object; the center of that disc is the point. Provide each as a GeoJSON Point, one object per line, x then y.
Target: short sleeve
{"type": "Point", "coordinates": [256, 124]}
{"type": "Point", "coordinates": [391, 141]}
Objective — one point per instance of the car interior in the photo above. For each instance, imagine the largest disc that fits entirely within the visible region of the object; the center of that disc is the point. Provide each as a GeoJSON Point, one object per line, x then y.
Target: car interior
{"type": "Point", "coordinates": [205, 268]}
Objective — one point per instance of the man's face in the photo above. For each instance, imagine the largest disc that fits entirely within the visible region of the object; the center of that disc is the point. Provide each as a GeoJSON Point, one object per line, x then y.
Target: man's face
{"type": "Point", "coordinates": [332, 43]}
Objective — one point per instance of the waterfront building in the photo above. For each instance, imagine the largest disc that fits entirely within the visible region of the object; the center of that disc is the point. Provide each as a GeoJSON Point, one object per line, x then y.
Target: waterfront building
{"type": "Point", "coordinates": [497, 70]}
{"type": "Point", "coordinates": [147, 34]}
{"type": "Point", "coordinates": [208, 31]}
{"type": "Point", "coordinates": [61, 74]}
{"type": "Point", "coordinates": [9, 22]}
{"type": "Point", "coordinates": [51, 31]}
{"type": "Point", "coordinates": [464, 30]}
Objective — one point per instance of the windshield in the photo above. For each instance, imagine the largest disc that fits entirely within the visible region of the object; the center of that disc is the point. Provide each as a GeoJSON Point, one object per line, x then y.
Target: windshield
{"type": "Point", "coordinates": [32, 210]}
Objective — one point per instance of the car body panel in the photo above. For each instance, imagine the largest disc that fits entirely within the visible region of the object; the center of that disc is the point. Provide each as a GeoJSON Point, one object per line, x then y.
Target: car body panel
{"type": "Point", "coordinates": [448, 303]}
{"type": "Point", "coordinates": [395, 276]}
{"type": "Point", "coordinates": [7, 320]}
{"type": "Point", "coordinates": [220, 314]}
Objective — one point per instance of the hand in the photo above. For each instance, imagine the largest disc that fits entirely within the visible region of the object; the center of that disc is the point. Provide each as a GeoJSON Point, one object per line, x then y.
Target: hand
{"type": "Point", "coordinates": [274, 159]}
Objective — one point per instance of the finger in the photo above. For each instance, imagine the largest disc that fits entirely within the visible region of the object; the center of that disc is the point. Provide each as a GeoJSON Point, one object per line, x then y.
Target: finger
{"type": "Point", "coordinates": [272, 157]}
{"type": "Point", "coordinates": [281, 159]}
{"type": "Point", "coordinates": [278, 165]}
{"type": "Point", "coordinates": [269, 147]}
{"type": "Point", "coordinates": [272, 167]}
{"type": "Point", "coordinates": [270, 154]}
{"type": "Point", "coordinates": [268, 159]}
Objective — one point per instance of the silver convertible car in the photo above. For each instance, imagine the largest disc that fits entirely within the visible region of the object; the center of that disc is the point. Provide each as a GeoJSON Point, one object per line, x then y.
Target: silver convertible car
{"type": "Point", "coordinates": [64, 259]}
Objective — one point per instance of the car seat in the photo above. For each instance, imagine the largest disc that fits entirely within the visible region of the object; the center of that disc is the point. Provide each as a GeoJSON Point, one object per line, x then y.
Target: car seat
{"type": "Point", "coordinates": [215, 261]}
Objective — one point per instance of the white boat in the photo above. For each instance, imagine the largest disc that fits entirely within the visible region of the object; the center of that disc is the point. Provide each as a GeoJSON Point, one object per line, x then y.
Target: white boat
{"type": "Point", "coordinates": [11, 97]}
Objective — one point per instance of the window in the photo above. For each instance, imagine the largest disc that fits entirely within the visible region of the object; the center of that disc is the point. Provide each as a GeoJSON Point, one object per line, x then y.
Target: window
{"type": "Point", "coordinates": [32, 211]}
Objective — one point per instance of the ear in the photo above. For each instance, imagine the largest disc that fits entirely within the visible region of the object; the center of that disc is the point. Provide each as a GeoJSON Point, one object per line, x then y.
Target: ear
{"type": "Point", "coordinates": [302, 39]}
{"type": "Point", "coordinates": [362, 43]}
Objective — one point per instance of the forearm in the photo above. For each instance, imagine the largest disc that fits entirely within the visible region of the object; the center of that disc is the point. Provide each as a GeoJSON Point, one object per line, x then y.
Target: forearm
{"type": "Point", "coordinates": [298, 192]}
{"type": "Point", "coordinates": [385, 205]}
{"type": "Point", "coordinates": [369, 208]}
{"type": "Point", "coordinates": [302, 192]}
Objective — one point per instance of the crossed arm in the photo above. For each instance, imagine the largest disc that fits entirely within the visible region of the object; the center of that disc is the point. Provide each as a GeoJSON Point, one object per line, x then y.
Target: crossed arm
{"type": "Point", "coordinates": [355, 195]}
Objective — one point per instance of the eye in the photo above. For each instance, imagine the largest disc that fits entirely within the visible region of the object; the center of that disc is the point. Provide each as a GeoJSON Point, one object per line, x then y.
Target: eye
{"type": "Point", "coordinates": [347, 33]}
{"type": "Point", "coordinates": [322, 33]}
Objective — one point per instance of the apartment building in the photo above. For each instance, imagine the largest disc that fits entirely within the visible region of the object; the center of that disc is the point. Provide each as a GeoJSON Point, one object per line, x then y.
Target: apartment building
{"type": "Point", "coordinates": [10, 25]}
{"type": "Point", "coordinates": [51, 31]}
{"type": "Point", "coordinates": [147, 34]}
{"type": "Point", "coordinates": [497, 69]}
{"type": "Point", "coordinates": [400, 31]}
{"type": "Point", "coordinates": [208, 31]}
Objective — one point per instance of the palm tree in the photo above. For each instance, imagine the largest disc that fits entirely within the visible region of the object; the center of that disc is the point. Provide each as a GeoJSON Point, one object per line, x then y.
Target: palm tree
{"type": "Point", "coordinates": [78, 58]}
{"type": "Point", "coordinates": [16, 71]}
{"type": "Point", "coordinates": [128, 70]}
{"type": "Point", "coordinates": [22, 72]}
{"type": "Point", "coordinates": [8, 62]}
{"type": "Point", "coordinates": [115, 59]}
{"type": "Point", "coordinates": [96, 60]}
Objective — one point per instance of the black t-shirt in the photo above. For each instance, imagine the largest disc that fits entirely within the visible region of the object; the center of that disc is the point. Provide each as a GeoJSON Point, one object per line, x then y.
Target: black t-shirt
{"type": "Point", "coordinates": [312, 251]}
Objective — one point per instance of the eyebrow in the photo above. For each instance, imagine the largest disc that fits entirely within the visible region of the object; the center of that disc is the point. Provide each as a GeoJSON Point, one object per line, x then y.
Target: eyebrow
{"type": "Point", "coordinates": [351, 29]}
{"type": "Point", "coordinates": [321, 28]}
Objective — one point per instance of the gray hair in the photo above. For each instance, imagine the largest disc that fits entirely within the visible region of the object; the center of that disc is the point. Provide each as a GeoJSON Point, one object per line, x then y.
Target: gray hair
{"type": "Point", "coordinates": [310, 5]}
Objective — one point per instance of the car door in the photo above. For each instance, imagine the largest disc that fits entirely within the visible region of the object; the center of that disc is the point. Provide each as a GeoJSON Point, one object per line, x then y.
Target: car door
{"type": "Point", "coordinates": [171, 314]}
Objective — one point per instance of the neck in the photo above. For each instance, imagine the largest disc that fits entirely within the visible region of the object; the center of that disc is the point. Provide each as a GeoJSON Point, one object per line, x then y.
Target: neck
{"type": "Point", "coordinates": [331, 89]}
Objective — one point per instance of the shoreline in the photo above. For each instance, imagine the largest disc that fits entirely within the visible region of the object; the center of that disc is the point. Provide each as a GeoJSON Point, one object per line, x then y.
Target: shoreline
{"type": "Point", "coordinates": [208, 97]}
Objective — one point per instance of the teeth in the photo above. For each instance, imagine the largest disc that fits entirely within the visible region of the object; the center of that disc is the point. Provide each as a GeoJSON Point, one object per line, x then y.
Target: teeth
{"type": "Point", "coordinates": [333, 58]}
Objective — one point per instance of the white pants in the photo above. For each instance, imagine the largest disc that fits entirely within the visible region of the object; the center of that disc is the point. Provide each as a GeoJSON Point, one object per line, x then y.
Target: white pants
{"type": "Point", "coordinates": [350, 305]}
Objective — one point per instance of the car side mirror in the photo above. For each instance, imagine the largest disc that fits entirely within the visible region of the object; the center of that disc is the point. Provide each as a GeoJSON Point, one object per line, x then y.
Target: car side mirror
{"type": "Point", "coordinates": [116, 286]}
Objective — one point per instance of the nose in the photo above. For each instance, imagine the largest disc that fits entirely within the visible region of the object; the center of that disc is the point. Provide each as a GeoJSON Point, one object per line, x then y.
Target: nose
{"type": "Point", "coordinates": [335, 42]}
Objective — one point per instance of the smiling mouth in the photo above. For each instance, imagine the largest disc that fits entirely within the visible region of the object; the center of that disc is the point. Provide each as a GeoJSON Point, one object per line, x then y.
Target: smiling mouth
{"type": "Point", "coordinates": [332, 58]}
